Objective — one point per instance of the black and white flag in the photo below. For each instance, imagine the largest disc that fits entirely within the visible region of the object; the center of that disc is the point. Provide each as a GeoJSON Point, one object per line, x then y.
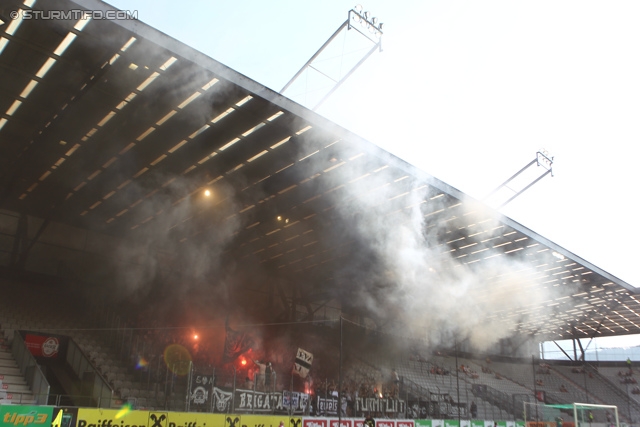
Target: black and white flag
{"type": "Point", "coordinates": [201, 388]}
{"type": "Point", "coordinates": [222, 400]}
{"type": "Point", "coordinates": [304, 359]}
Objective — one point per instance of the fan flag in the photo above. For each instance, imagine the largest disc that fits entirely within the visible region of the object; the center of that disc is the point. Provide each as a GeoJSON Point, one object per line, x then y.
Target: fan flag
{"type": "Point", "coordinates": [304, 359]}
{"type": "Point", "coordinates": [235, 343]}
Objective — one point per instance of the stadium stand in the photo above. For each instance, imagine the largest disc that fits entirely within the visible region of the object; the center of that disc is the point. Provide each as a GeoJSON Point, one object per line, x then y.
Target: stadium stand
{"type": "Point", "coordinates": [53, 278]}
{"type": "Point", "coordinates": [498, 387]}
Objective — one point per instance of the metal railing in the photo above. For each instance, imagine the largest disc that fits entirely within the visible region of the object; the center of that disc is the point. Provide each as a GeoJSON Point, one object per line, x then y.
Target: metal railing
{"type": "Point", "coordinates": [94, 385]}
{"type": "Point", "coordinates": [30, 370]}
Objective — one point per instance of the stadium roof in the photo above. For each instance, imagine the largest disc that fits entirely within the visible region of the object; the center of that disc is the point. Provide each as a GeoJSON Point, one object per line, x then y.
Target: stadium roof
{"type": "Point", "coordinates": [110, 125]}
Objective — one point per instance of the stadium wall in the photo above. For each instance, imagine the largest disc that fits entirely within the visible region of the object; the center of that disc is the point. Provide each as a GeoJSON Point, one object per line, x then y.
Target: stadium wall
{"type": "Point", "coordinates": [46, 416]}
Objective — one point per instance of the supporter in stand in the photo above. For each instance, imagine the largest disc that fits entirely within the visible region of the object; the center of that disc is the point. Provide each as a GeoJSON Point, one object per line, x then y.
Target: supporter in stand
{"type": "Point", "coordinates": [369, 421]}
{"type": "Point", "coordinates": [395, 384]}
{"type": "Point", "coordinates": [262, 368]}
{"type": "Point", "coordinates": [248, 384]}
{"type": "Point", "coordinates": [268, 373]}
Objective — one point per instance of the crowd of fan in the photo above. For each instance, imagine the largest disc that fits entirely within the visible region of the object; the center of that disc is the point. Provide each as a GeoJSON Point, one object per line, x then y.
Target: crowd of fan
{"type": "Point", "coordinates": [627, 378]}
{"type": "Point", "coordinates": [359, 383]}
{"type": "Point", "coordinates": [469, 372]}
{"type": "Point", "coordinates": [543, 369]}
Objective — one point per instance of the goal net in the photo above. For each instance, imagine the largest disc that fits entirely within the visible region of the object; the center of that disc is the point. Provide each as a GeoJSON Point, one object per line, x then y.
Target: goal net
{"type": "Point", "coordinates": [577, 414]}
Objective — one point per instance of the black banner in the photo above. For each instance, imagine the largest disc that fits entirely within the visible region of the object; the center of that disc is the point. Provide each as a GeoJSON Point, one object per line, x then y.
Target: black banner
{"type": "Point", "coordinates": [327, 406]}
{"type": "Point", "coordinates": [201, 392]}
{"type": "Point", "coordinates": [235, 343]}
{"type": "Point", "coordinates": [372, 404]}
{"type": "Point", "coordinates": [418, 409]}
{"type": "Point", "coordinates": [258, 402]}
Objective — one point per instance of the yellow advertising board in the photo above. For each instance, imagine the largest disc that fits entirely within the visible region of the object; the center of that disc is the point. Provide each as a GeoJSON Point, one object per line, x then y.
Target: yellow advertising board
{"type": "Point", "coordinates": [263, 421]}
{"type": "Point", "coordinates": [112, 418]}
{"type": "Point", "coordinates": [124, 418]}
{"type": "Point", "coordinates": [185, 419]}
{"type": "Point", "coordinates": [118, 418]}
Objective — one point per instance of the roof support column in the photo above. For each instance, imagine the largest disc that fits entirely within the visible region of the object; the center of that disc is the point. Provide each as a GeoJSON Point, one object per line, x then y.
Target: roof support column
{"type": "Point", "coordinates": [582, 351]}
{"type": "Point", "coordinates": [562, 350]}
{"type": "Point", "coordinates": [305, 301]}
{"type": "Point", "coordinates": [22, 261]}
{"type": "Point", "coordinates": [19, 238]}
{"type": "Point", "coordinates": [577, 339]}
{"type": "Point", "coordinates": [283, 298]}
{"type": "Point", "coordinates": [294, 304]}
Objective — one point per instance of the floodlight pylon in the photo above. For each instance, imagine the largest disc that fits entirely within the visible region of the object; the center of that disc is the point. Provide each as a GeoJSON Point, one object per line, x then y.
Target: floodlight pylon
{"type": "Point", "coordinates": [363, 24]}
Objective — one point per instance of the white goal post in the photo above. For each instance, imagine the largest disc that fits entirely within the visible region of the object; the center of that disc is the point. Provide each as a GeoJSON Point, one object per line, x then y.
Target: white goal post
{"type": "Point", "coordinates": [580, 414]}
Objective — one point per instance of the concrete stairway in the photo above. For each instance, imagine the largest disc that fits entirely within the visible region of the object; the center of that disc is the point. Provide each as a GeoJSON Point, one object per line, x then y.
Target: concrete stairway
{"type": "Point", "coordinates": [13, 386]}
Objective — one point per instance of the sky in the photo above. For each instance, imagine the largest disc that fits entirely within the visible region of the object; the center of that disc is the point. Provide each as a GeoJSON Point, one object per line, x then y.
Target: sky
{"type": "Point", "coordinates": [468, 91]}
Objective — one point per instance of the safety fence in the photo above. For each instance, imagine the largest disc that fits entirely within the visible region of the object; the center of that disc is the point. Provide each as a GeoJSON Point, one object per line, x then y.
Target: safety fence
{"type": "Point", "coordinates": [45, 416]}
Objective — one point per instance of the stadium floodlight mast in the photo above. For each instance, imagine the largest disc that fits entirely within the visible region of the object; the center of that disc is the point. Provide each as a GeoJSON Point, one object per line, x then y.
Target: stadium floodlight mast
{"type": "Point", "coordinates": [525, 178]}
{"type": "Point", "coordinates": [366, 22]}
{"type": "Point", "coordinates": [363, 23]}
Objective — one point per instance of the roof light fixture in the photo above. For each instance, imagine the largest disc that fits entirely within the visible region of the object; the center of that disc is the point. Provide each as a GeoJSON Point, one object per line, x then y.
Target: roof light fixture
{"type": "Point", "coordinates": [64, 44]}
{"type": "Point", "coordinates": [127, 44]}
{"type": "Point", "coordinates": [3, 43]}
{"type": "Point", "coordinates": [15, 23]}
{"type": "Point", "coordinates": [13, 107]}
{"type": "Point", "coordinates": [229, 144]}
{"type": "Point", "coordinates": [210, 84]}
{"type": "Point", "coordinates": [45, 67]}
{"type": "Point", "coordinates": [148, 81]}
{"type": "Point", "coordinates": [189, 100]}
{"type": "Point", "coordinates": [169, 62]}
{"type": "Point", "coordinates": [28, 88]}
{"type": "Point", "coordinates": [82, 23]}
{"type": "Point", "coordinates": [222, 116]}
{"type": "Point", "coordinates": [244, 101]}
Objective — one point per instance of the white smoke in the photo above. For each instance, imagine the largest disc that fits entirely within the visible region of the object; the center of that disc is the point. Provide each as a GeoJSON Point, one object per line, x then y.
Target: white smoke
{"type": "Point", "coordinates": [413, 280]}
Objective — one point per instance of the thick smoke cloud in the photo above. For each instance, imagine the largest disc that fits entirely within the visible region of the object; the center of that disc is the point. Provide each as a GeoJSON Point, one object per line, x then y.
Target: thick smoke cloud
{"type": "Point", "coordinates": [189, 261]}
{"type": "Point", "coordinates": [399, 273]}
{"type": "Point", "coordinates": [409, 281]}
